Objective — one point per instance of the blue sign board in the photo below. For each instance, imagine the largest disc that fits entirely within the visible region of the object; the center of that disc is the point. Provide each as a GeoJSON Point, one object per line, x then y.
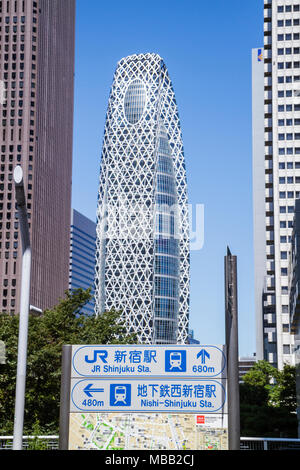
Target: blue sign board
{"type": "Point", "coordinates": [149, 395]}
{"type": "Point", "coordinates": [148, 361]}
{"type": "Point", "coordinates": [148, 378]}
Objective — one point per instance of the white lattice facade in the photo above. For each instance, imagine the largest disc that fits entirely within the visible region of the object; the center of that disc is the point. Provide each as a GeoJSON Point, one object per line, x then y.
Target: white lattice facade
{"type": "Point", "coordinates": [142, 250]}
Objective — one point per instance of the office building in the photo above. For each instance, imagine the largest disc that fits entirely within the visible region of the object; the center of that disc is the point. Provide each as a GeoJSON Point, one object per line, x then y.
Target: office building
{"type": "Point", "coordinates": [294, 298]}
{"type": "Point", "coordinates": [36, 131]}
{"type": "Point", "coordinates": [276, 174]}
{"type": "Point", "coordinates": [82, 256]}
{"type": "Point", "coordinates": [142, 246]}
{"type": "Point", "coordinates": [245, 365]}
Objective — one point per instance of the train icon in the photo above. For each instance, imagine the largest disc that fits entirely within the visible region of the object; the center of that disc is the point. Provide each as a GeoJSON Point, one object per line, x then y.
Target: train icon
{"type": "Point", "coordinates": [120, 395]}
{"type": "Point", "coordinates": [175, 361]}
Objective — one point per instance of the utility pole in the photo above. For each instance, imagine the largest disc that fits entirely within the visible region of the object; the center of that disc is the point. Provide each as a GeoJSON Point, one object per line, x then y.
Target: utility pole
{"type": "Point", "coordinates": [232, 346]}
{"type": "Point", "coordinates": [24, 310]}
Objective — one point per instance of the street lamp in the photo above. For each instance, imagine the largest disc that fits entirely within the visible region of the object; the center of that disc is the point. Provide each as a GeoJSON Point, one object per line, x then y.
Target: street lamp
{"type": "Point", "coordinates": [24, 309]}
{"type": "Point", "coordinates": [35, 310]}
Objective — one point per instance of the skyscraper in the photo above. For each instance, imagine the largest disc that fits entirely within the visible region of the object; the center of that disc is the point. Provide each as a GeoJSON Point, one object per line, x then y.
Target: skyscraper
{"type": "Point", "coordinates": [276, 173]}
{"type": "Point", "coordinates": [294, 292]}
{"type": "Point", "coordinates": [82, 256]}
{"type": "Point", "coordinates": [142, 246]}
{"type": "Point", "coordinates": [37, 70]}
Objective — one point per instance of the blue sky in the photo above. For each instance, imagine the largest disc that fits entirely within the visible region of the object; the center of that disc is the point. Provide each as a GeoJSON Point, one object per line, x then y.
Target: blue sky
{"type": "Point", "coordinates": [207, 49]}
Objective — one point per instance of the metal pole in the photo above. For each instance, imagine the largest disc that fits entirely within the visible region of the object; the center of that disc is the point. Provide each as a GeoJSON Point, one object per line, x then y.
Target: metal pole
{"type": "Point", "coordinates": [65, 397]}
{"type": "Point", "coordinates": [24, 311]}
{"type": "Point", "coordinates": [231, 326]}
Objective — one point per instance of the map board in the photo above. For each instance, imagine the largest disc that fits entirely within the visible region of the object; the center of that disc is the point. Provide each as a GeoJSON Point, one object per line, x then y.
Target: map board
{"type": "Point", "coordinates": [147, 396]}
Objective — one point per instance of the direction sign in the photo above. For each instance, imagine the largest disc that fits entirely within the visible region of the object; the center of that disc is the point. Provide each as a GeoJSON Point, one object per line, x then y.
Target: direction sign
{"type": "Point", "coordinates": [148, 395]}
{"type": "Point", "coordinates": [157, 382]}
{"type": "Point", "coordinates": [194, 361]}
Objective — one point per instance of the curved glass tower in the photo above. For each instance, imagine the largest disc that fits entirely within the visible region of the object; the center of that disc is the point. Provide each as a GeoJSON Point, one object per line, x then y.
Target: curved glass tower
{"type": "Point", "coordinates": [142, 265]}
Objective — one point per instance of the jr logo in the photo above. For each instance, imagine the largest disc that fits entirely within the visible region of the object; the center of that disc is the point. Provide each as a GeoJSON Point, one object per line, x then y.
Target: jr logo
{"type": "Point", "coordinates": [102, 355]}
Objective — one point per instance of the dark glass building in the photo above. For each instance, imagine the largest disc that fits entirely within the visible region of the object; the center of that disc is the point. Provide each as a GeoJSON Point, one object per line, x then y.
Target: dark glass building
{"type": "Point", "coordinates": [82, 256]}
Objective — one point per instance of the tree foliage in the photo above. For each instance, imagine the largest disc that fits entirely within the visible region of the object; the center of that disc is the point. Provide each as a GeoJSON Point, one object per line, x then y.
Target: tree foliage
{"type": "Point", "coordinates": [268, 401]}
{"type": "Point", "coordinates": [64, 324]}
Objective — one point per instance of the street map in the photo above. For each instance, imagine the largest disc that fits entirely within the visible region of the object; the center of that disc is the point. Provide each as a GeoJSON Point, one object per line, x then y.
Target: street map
{"type": "Point", "coordinates": [144, 431]}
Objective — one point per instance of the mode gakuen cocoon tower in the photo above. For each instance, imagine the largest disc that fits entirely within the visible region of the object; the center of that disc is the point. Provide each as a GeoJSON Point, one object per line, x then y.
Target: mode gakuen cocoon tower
{"type": "Point", "coordinates": [142, 247]}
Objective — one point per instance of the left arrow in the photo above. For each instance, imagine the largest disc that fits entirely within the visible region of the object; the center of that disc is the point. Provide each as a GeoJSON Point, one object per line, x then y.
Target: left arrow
{"type": "Point", "coordinates": [89, 390]}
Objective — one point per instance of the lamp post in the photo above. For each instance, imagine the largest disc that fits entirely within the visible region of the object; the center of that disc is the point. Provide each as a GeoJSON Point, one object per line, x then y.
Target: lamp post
{"type": "Point", "coordinates": [24, 309]}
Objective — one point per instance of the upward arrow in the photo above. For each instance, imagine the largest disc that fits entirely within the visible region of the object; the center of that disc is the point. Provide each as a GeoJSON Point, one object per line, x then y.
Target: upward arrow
{"type": "Point", "coordinates": [203, 354]}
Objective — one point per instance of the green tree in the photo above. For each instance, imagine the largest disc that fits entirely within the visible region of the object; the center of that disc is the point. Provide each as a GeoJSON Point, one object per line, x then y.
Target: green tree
{"type": "Point", "coordinates": [268, 402]}
{"type": "Point", "coordinates": [286, 389]}
{"type": "Point", "coordinates": [64, 324]}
